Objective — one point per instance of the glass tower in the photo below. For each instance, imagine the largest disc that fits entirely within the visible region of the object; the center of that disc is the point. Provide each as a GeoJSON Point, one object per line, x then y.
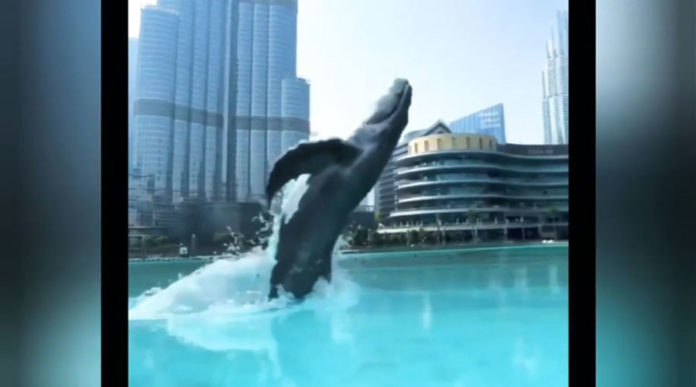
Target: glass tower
{"type": "Point", "coordinates": [554, 82]}
{"type": "Point", "coordinates": [132, 66]}
{"type": "Point", "coordinates": [219, 100]}
{"type": "Point", "coordinates": [272, 104]}
{"type": "Point", "coordinates": [182, 112]}
{"type": "Point", "coordinates": [153, 113]}
{"type": "Point", "coordinates": [489, 121]}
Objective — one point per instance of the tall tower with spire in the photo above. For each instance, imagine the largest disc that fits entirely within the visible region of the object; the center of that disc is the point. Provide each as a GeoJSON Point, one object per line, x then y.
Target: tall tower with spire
{"type": "Point", "coordinates": [554, 81]}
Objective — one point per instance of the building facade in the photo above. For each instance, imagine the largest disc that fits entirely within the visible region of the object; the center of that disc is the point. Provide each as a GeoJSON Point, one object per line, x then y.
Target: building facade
{"type": "Point", "coordinates": [554, 83]}
{"type": "Point", "coordinates": [217, 99]}
{"type": "Point", "coordinates": [385, 194]}
{"type": "Point", "coordinates": [468, 186]}
{"type": "Point", "coordinates": [154, 99]}
{"type": "Point", "coordinates": [489, 122]}
{"type": "Point", "coordinates": [272, 104]}
{"type": "Point", "coordinates": [132, 66]}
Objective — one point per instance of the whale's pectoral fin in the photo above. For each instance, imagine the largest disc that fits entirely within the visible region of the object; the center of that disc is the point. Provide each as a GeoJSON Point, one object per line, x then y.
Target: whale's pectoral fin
{"type": "Point", "coordinates": [309, 158]}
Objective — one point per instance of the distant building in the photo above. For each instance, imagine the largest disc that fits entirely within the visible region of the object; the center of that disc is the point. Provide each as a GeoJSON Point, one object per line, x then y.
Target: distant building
{"type": "Point", "coordinates": [385, 195]}
{"type": "Point", "coordinates": [368, 200]}
{"type": "Point", "coordinates": [468, 186]}
{"type": "Point", "coordinates": [272, 105]}
{"type": "Point", "coordinates": [554, 83]}
{"type": "Point", "coordinates": [364, 217]}
{"type": "Point", "coordinates": [132, 66]}
{"type": "Point", "coordinates": [217, 100]}
{"type": "Point", "coordinates": [154, 99]}
{"type": "Point", "coordinates": [488, 122]}
{"type": "Point", "coordinates": [364, 213]}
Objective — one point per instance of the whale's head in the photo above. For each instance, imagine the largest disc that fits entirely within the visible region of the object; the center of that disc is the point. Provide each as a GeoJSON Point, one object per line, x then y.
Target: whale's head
{"type": "Point", "coordinates": [383, 128]}
{"type": "Point", "coordinates": [392, 109]}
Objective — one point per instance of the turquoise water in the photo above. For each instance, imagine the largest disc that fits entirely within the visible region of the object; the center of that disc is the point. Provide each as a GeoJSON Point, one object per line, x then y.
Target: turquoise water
{"type": "Point", "coordinates": [484, 318]}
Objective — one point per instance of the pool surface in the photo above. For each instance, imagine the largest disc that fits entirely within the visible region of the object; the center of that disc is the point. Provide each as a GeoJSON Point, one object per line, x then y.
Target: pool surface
{"type": "Point", "coordinates": [497, 317]}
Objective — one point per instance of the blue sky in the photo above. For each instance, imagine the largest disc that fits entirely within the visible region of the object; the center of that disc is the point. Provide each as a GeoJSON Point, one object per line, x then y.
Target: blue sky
{"type": "Point", "coordinates": [459, 55]}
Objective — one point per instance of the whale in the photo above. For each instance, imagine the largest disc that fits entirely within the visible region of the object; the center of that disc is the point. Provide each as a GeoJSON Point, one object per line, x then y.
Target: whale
{"type": "Point", "coordinates": [341, 173]}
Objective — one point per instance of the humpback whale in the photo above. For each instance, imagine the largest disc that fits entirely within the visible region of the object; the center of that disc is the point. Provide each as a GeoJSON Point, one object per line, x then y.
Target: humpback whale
{"type": "Point", "coordinates": [341, 173]}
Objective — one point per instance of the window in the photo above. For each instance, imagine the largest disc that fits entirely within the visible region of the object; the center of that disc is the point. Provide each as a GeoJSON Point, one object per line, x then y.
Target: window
{"type": "Point", "coordinates": [415, 148]}
{"type": "Point", "coordinates": [490, 144]}
{"type": "Point", "coordinates": [480, 143]}
{"type": "Point", "coordinates": [439, 143]}
{"type": "Point", "coordinates": [426, 146]}
{"type": "Point", "coordinates": [468, 144]}
{"type": "Point", "coordinates": [452, 142]}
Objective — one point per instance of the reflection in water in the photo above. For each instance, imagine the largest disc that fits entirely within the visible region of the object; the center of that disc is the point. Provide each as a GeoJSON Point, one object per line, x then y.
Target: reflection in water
{"type": "Point", "coordinates": [445, 324]}
{"type": "Point", "coordinates": [229, 335]}
{"type": "Point", "coordinates": [495, 286]}
{"type": "Point", "coordinates": [517, 277]}
{"type": "Point", "coordinates": [522, 359]}
{"type": "Point", "coordinates": [521, 281]}
{"type": "Point", "coordinates": [553, 279]}
{"type": "Point", "coordinates": [427, 315]}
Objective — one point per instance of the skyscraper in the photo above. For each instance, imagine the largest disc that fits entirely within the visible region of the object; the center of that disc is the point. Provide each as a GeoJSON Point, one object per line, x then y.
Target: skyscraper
{"type": "Point", "coordinates": [554, 83]}
{"type": "Point", "coordinates": [132, 65]}
{"type": "Point", "coordinates": [182, 98]}
{"type": "Point", "coordinates": [272, 104]}
{"type": "Point", "coordinates": [219, 100]}
{"type": "Point", "coordinates": [489, 121]}
{"type": "Point", "coordinates": [156, 75]}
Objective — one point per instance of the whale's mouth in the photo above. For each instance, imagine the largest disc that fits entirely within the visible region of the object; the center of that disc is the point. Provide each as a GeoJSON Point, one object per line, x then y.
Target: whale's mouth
{"type": "Point", "coordinates": [392, 103]}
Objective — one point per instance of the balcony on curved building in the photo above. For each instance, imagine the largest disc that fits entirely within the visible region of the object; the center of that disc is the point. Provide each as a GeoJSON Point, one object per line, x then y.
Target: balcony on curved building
{"type": "Point", "coordinates": [446, 166]}
{"type": "Point", "coordinates": [432, 154]}
{"type": "Point", "coordinates": [398, 229]}
{"type": "Point", "coordinates": [405, 184]}
{"type": "Point", "coordinates": [440, 210]}
{"type": "Point", "coordinates": [456, 196]}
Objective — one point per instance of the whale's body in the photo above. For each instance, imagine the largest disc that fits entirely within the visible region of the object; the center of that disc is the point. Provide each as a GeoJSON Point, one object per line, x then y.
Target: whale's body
{"type": "Point", "coordinates": [341, 173]}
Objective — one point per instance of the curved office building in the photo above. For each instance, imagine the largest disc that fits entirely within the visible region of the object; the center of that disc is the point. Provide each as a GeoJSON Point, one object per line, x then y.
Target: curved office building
{"type": "Point", "coordinates": [385, 198]}
{"type": "Point", "coordinates": [467, 186]}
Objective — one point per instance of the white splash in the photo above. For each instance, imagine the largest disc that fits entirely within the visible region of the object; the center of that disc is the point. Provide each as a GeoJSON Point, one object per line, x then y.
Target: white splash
{"type": "Point", "coordinates": [217, 330]}
{"type": "Point", "coordinates": [237, 288]}
{"type": "Point", "coordinates": [292, 196]}
{"type": "Point", "coordinates": [243, 281]}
